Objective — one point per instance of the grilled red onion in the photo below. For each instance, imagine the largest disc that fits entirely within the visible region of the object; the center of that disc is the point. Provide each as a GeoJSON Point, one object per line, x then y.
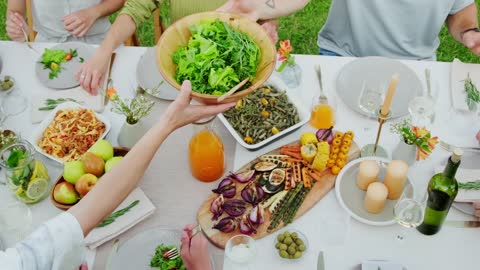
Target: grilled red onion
{"type": "Point", "coordinates": [244, 176]}
{"type": "Point", "coordinates": [226, 188]}
{"type": "Point", "coordinates": [252, 194]}
{"type": "Point", "coordinates": [257, 215]}
{"type": "Point", "coordinates": [246, 227]}
{"type": "Point", "coordinates": [226, 225]}
{"type": "Point", "coordinates": [216, 207]}
{"type": "Point", "coordinates": [325, 135]}
{"type": "Point", "coordinates": [234, 208]}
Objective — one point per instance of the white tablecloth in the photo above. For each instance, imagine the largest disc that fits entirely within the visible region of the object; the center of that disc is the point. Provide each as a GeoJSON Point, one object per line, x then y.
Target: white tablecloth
{"type": "Point", "coordinates": [345, 241]}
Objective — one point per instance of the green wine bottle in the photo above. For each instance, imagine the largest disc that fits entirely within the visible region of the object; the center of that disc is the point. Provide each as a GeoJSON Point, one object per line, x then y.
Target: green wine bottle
{"type": "Point", "coordinates": [442, 190]}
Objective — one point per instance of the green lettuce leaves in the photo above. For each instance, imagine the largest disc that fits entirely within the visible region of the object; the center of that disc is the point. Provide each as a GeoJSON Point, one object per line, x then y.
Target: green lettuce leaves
{"type": "Point", "coordinates": [216, 58]}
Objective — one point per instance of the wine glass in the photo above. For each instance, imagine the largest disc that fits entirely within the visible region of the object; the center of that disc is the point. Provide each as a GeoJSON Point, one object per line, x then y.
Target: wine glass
{"type": "Point", "coordinates": [371, 98]}
{"type": "Point", "coordinates": [15, 222]}
{"type": "Point", "coordinates": [422, 108]}
{"type": "Point", "coordinates": [241, 250]}
{"type": "Point", "coordinates": [11, 103]}
{"type": "Point", "coordinates": [410, 208]}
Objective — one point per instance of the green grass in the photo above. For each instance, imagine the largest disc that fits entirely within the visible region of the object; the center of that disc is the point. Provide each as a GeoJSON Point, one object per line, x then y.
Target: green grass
{"type": "Point", "coordinates": [302, 28]}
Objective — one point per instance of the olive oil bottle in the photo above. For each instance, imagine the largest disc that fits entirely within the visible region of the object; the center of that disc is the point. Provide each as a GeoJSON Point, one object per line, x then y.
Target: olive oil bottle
{"type": "Point", "coordinates": [442, 190]}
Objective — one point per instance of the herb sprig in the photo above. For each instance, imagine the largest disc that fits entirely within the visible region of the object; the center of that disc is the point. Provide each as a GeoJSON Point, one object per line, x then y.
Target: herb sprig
{"type": "Point", "coordinates": [473, 185]}
{"type": "Point", "coordinates": [51, 104]}
{"type": "Point", "coordinates": [110, 219]}
{"type": "Point", "coordinates": [473, 95]}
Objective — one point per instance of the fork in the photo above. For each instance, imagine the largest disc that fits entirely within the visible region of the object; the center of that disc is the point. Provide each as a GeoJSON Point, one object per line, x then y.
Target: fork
{"type": "Point", "coordinates": [322, 99]}
{"type": "Point", "coordinates": [27, 41]}
{"type": "Point", "coordinates": [450, 147]}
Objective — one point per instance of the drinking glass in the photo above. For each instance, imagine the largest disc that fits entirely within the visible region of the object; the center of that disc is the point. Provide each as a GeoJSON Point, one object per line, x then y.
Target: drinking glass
{"type": "Point", "coordinates": [11, 103]}
{"type": "Point", "coordinates": [241, 250]}
{"type": "Point", "coordinates": [422, 110]}
{"type": "Point", "coordinates": [15, 222]}
{"type": "Point", "coordinates": [371, 98]}
{"type": "Point", "coordinates": [409, 209]}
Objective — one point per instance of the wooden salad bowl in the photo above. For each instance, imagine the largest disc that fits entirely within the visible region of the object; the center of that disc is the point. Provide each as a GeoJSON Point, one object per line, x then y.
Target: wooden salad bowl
{"type": "Point", "coordinates": [179, 34]}
{"type": "Point", "coordinates": [117, 151]}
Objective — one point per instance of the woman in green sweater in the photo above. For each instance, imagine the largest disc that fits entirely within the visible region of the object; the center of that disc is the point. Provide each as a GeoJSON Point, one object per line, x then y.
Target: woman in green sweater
{"type": "Point", "coordinates": [91, 73]}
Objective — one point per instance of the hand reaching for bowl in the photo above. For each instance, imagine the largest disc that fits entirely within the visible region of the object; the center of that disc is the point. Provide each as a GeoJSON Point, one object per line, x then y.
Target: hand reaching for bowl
{"type": "Point", "coordinates": [181, 112]}
{"type": "Point", "coordinates": [194, 250]}
{"type": "Point", "coordinates": [14, 24]}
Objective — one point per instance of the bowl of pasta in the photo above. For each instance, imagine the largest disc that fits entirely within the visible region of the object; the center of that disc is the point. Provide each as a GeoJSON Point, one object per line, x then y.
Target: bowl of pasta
{"type": "Point", "coordinates": [68, 132]}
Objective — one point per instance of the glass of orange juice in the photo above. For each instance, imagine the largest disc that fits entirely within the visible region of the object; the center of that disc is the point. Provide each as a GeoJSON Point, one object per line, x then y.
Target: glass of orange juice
{"type": "Point", "coordinates": [323, 114]}
{"type": "Point", "coordinates": [206, 154]}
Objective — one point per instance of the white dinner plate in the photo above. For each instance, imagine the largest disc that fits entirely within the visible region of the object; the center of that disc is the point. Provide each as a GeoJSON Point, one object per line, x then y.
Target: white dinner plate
{"type": "Point", "coordinates": [377, 72]}
{"type": "Point", "coordinates": [303, 113]}
{"type": "Point", "coordinates": [38, 132]}
{"type": "Point", "coordinates": [137, 251]}
{"type": "Point", "coordinates": [351, 198]}
{"type": "Point", "coordinates": [148, 76]}
{"type": "Point", "coordinates": [66, 77]}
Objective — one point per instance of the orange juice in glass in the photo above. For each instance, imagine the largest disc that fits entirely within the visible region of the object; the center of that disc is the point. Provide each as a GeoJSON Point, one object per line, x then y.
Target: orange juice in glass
{"type": "Point", "coordinates": [206, 155]}
{"type": "Point", "coordinates": [322, 116]}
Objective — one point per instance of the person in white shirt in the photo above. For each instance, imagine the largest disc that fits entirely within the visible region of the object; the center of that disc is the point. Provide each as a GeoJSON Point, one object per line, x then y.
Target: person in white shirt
{"type": "Point", "coordinates": [55, 244]}
{"type": "Point", "coordinates": [62, 21]}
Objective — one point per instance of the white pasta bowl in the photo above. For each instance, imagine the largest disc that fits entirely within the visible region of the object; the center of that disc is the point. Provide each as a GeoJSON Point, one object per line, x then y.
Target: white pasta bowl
{"type": "Point", "coordinates": [38, 132]}
{"type": "Point", "coordinates": [303, 114]}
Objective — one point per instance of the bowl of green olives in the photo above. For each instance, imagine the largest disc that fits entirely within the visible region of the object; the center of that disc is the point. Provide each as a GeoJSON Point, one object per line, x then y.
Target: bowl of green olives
{"type": "Point", "coordinates": [7, 84]}
{"type": "Point", "coordinates": [291, 245]}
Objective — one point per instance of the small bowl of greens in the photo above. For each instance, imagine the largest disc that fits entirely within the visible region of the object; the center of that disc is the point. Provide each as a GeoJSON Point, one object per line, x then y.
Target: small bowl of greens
{"type": "Point", "coordinates": [216, 51]}
{"type": "Point", "coordinates": [7, 84]}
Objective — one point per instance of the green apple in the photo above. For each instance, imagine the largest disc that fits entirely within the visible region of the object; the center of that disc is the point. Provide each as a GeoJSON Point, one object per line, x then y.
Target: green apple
{"type": "Point", "coordinates": [85, 184]}
{"type": "Point", "coordinates": [111, 163]}
{"type": "Point", "coordinates": [72, 171]}
{"type": "Point", "coordinates": [65, 193]}
{"type": "Point", "coordinates": [103, 149]}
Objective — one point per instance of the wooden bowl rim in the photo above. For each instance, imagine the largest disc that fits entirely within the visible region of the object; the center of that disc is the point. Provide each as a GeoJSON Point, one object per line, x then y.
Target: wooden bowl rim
{"type": "Point", "coordinates": [60, 179]}
{"type": "Point", "coordinates": [270, 65]}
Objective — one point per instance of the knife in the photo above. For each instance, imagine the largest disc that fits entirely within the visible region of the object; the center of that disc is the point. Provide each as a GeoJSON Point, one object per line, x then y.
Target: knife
{"type": "Point", "coordinates": [463, 224]}
{"type": "Point", "coordinates": [320, 261]}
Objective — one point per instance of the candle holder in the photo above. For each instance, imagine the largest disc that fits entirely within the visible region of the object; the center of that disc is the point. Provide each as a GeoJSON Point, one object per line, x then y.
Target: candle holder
{"type": "Point", "coordinates": [376, 149]}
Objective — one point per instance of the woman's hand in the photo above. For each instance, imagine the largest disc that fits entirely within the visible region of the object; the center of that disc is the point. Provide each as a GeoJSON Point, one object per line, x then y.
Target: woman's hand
{"type": "Point", "coordinates": [14, 24]}
{"type": "Point", "coordinates": [194, 250]}
{"type": "Point", "coordinates": [91, 74]}
{"type": "Point", "coordinates": [476, 205]}
{"type": "Point", "coordinates": [478, 137]}
{"type": "Point", "coordinates": [181, 113]}
{"type": "Point", "coordinates": [78, 23]}
{"type": "Point", "coordinates": [271, 26]}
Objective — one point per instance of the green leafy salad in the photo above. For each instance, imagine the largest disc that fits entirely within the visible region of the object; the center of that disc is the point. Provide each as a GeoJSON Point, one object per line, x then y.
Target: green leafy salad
{"type": "Point", "coordinates": [163, 263]}
{"type": "Point", "coordinates": [53, 59]}
{"type": "Point", "coordinates": [216, 58]}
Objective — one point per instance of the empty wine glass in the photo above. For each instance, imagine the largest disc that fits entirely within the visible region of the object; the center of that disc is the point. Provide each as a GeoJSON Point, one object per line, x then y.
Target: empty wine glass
{"type": "Point", "coordinates": [11, 103]}
{"type": "Point", "coordinates": [241, 250]}
{"type": "Point", "coordinates": [409, 209]}
{"type": "Point", "coordinates": [15, 222]}
{"type": "Point", "coordinates": [422, 108]}
{"type": "Point", "coordinates": [371, 98]}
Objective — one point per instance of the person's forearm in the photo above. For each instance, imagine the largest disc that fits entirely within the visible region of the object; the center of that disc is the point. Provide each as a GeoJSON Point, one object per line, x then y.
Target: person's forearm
{"type": "Point", "coordinates": [106, 7]}
{"type": "Point", "coordinates": [18, 6]}
{"type": "Point", "coordinates": [121, 30]}
{"type": "Point", "coordinates": [115, 185]}
{"type": "Point", "coordinates": [463, 20]}
{"type": "Point", "coordinates": [263, 9]}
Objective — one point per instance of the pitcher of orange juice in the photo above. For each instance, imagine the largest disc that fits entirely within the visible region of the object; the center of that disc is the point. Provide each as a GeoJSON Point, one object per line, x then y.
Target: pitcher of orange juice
{"type": "Point", "coordinates": [206, 155]}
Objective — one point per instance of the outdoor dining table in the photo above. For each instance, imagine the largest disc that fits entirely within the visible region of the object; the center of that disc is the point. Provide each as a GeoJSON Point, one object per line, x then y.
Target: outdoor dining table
{"type": "Point", "coordinates": [346, 243]}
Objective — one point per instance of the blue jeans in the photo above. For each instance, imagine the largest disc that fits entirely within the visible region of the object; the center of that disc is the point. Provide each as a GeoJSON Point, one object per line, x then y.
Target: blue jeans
{"type": "Point", "coordinates": [327, 52]}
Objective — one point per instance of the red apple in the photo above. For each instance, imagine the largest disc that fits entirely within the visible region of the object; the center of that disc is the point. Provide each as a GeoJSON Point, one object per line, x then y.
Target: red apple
{"type": "Point", "coordinates": [85, 184]}
{"type": "Point", "coordinates": [65, 193]}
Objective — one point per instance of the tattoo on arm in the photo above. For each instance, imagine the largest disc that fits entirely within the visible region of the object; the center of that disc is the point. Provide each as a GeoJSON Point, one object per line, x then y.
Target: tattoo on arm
{"type": "Point", "coordinates": [270, 3]}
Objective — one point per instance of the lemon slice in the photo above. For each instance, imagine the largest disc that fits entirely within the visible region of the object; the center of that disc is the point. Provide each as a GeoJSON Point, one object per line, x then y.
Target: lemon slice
{"type": "Point", "coordinates": [39, 171]}
{"type": "Point", "coordinates": [23, 197]}
{"type": "Point", "coordinates": [37, 188]}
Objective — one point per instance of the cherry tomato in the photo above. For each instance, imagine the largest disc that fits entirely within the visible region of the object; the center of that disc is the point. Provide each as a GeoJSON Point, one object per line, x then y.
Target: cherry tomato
{"type": "Point", "coordinates": [68, 56]}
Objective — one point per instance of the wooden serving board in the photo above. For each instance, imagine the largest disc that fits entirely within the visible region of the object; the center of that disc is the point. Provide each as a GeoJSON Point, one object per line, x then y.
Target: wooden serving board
{"type": "Point", "coordinates": [318, 191]}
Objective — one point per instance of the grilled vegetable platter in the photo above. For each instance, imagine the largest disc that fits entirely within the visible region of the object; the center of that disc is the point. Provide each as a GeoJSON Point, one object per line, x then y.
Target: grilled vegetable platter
{"type": "Point", "coordinates": [276, 188]}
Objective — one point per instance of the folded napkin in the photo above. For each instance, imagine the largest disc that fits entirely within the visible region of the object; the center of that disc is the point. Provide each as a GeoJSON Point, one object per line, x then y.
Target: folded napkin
{"type": "Point", "coordinates": [95, 103]}
{"type": "Point", "coordinates": [458, 74]}
{"type": "Point", "coordinates": [384, 265]}
{"type": "Point", "coordinates": [141, 211]}
{"type": "Point", "coordinates": [465, 175]}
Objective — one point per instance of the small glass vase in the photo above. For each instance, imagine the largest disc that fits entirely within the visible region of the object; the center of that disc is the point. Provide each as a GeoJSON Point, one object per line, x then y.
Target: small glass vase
{"type": "Point", "coordinates": [130, 134]}
{"type": "Point", "coordinates": [291, 75]}
{"type": "Point", "coordinates": [405, 152]}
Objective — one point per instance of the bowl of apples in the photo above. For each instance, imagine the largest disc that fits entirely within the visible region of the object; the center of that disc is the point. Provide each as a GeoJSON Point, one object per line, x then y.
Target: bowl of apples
{"type": "Point", "coordinates": [79, 177]}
